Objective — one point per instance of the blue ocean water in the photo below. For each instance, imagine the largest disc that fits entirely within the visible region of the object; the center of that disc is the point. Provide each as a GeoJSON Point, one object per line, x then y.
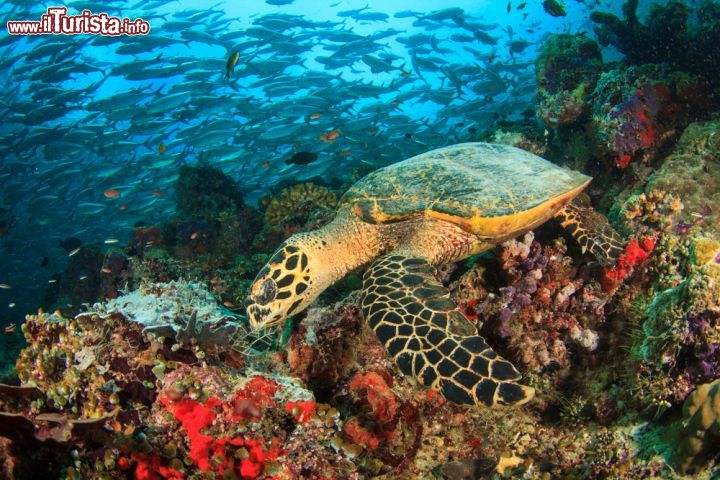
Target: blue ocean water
{"type": "Point", "coordinates": [95, 127]}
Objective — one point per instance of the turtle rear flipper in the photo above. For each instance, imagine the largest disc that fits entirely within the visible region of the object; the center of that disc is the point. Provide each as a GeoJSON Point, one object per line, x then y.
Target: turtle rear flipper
{"type": "Point", "coordinates": [409, 311]}
{"type": "Point", "coordinates": [593, 232]}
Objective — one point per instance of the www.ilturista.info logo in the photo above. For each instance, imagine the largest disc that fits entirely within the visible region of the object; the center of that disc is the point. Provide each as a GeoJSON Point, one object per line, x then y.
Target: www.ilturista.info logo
{"type": "Point", "coordinates": [57, 21]}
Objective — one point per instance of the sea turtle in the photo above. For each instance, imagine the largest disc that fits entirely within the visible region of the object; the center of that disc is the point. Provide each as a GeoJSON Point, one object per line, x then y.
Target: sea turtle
{"type": "Point", "coordinates": [403, 220]}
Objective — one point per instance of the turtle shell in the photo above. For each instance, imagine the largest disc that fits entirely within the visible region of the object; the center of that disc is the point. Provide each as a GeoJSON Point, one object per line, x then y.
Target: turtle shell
{"type": "Point", "coordinates": [489, 189]}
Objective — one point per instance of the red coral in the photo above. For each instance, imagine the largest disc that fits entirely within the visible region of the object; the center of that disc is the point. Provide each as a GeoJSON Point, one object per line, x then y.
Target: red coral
{"type": "Point", "coordinates": [209, 453]}
{"type": "Point", "coordinates": [305, 410]}
{"type": "Point", "coordinates": [123, 463]}
{"type": "Point", "coordinates": [379, 395]}
{"type": "Point", "coordinates": [469, 310]}
{"type": "Point", "coordinates": [151, 468]}
{"type": "Point", "coordinates": [622, 161]}
{"type": "Point", "coordinates": [635, 253]}
{"type": "Point", "coordinates": [257, 458]}
{"type": "Point", "coordinates": [195, 416]}
{"type": "Point", "coordinates": [260, 390]}
{"type": "Point", "coordinates": [361, 435]}
{"type": "Point", "coordinates": [434, 398]}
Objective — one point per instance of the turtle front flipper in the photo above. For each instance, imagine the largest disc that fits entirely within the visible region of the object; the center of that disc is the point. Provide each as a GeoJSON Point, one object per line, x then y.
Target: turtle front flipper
{"type": "Point", "coordinates": [410, 312]}
{"type": "Point", "coordinates": [593, 232]}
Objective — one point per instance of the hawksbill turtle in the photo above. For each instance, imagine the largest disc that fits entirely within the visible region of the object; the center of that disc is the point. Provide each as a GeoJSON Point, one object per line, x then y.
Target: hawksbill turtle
{"type": "Point", "coordinates": [403, 220]}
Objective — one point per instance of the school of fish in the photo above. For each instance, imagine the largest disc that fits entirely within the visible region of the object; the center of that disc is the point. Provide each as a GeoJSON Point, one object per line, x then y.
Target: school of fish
{"type": "Point", "coordinates": [95, 127]}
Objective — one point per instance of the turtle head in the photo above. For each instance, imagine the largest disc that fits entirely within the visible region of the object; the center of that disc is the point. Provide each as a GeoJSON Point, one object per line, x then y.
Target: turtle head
{"type": "Point", "coordinates": [281, 288]}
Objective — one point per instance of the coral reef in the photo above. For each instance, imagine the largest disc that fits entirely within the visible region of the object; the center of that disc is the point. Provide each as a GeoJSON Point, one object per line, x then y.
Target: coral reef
{"type": "Point", "coordinates": [637, 110]}
{"type": "Point", "coordinates": [690, 174]}
{"type": "Point", "coordinates": [524, 140]}
{"type": "Point", "coordinates": [679, 342]}
{"type": "Point", "coordinates": [293, 204]}
{"type": "Point", "coordinates": [566, 72]}
{"type": "Point", "coordinates": [699, 433]}
{"type": "Point", "coordinates": [301, 207]}
{"type": "Point", "coordinates": [685, 44]}
{"type": "Point", "coordinates": [168, 413]}
{"type": "Point", "coordinates": [215, 216]}
{"type": "Point", "coordinates": [546, 308]}
{"type": "Point", "coordinates": [665, 30]}
{"type": "Point", "coordinates": [182, 309]}
{"type": "Point", "coordinates": [161, 378]}
{"type": "Point", "coordinates": [202, 192]}
{"type": "Point", "coordinates": [144, 238]}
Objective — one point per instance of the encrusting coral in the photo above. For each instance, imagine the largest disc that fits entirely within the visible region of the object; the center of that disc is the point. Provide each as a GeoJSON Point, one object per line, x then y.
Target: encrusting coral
{"type": "Point", "coordinates": [699, 434]}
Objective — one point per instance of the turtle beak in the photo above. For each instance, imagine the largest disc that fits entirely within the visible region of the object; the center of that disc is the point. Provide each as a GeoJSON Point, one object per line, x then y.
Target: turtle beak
{"type": "Point", "coordinates": [255, 314]}
{"type": "Point", "coordinates": [260, 316]}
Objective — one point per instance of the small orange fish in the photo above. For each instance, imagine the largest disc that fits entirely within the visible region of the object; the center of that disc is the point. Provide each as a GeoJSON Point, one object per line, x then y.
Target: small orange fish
{"type": "Point", "coordinates": [106, 270]}
{"type": "Point", "coordinates": [330, 136]}
{"type": "Point", "coordinates": [373, 131]}
{"type": "Point", "coordinates": [265, 164]}
{"type": "Point", "coordinates": [10, 328]}
{"type": "Point", "coordinates": [405, 74]}
{"type": "Point", "coordinates": [123, 206]}
{"type": "Point", "coordinates": [345, 153]}
{"type": "Point", "coordinates": [158, 193]}
{"type": "Point", "coordinates": [228, 303]}
{"type": "Point", "coordinates": [315, 116]}
{"type": "Point", "coordinates": [395, 102]}
{"type": "Point", "coordinates": [111, 193]}
{"type": "Point", "coordinates": [161, 148]}
{"type": "Point", "coordinates": [193, 236]}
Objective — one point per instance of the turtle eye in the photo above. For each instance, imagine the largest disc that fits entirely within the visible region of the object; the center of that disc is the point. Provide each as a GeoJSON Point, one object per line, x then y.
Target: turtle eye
{"type": "Point", "coordinates": [267, 293]}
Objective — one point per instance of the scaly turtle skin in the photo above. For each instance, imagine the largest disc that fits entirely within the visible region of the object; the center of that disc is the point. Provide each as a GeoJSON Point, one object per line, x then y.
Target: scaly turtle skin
{"type": "Point", "coordinates": [401, 221]}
